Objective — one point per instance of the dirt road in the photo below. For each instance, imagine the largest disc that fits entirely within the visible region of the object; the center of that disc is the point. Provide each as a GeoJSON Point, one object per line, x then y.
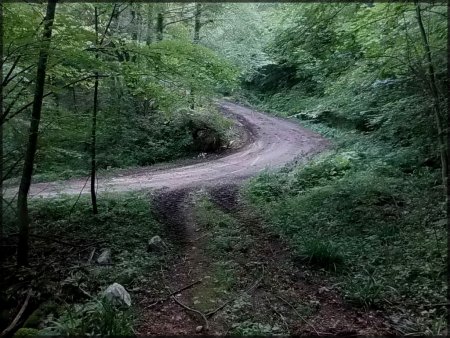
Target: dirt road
{"type": "Point", "coordinates": [272, 142]}
{"type": "Point", "coordinates": [226, 272]}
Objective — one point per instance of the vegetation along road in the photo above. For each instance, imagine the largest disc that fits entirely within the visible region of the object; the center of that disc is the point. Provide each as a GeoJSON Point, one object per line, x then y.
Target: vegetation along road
{"type": "Point", "coordinates": [223, 168]}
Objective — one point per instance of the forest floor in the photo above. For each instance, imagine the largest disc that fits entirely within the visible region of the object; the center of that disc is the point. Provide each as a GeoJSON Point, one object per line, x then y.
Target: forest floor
{"type": "Point", "coordinates": [240, 279]}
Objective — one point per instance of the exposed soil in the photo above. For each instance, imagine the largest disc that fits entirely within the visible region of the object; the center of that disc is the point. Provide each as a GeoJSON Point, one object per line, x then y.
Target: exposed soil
{"type": "Point", "coordinates": [281, 289]}
{"type": "Point", "coordinates": [269, 142]}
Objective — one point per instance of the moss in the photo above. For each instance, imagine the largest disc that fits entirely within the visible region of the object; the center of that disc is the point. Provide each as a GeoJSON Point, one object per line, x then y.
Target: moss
{"type": "Point", "coordinates": [26, 332]}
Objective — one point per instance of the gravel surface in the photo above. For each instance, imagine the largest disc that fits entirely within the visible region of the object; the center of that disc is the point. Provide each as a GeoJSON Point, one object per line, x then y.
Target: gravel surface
{"type": "Point", "coordinates": [271, 142]}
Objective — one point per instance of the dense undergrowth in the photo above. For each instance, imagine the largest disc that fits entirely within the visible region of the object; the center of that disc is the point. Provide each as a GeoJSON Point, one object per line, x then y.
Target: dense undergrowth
{"type": "Point", "coordinates": [67, 297]}
{"type": "Point", "coordinates": [373, 216]}
{"type": "Point", "coordinates": [370, 211]}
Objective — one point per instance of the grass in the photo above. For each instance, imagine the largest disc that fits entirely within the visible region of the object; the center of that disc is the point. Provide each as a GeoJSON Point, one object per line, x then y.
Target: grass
{"type": "Point", "coordinates": [223, 233]}
{"type": "Point", "coordinates": [321, 254]}
{"type": "Point", "coordinates": [124, 225]}
{"type": "Point", "coordinates": [249, 328]}
{"type": "Point", "coordinates": [97, 317]}
{"type": "Point", "coordinates": [227, 234]}
{"type": "Point", "coordinates": [232, 269]}
{"type": "Point", "coordinates": [378, 230]}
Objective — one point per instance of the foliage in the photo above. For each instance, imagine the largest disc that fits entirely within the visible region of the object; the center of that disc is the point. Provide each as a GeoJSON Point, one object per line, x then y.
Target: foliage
{"type": "Point", "coordinates": [97, 317]}
{"type": "Point", "coordinates": [26, 332]}
{"type": "Point", "coordinates": [144, 91]}
{"type": "Point", "coordinates": [124, 225]}
{"type": "Point", "coordinates": [387, 223]}
{"type": "Point", "coordinates": [249, 328]}
{"type": "Point", "coordinates": [357, 73]}
{"type": "Point", "coordinates": [370, 209]}
{"type": "Point", "coordinates": [321, 254]}
{"type": "Point", "coordinates": [241, 34]}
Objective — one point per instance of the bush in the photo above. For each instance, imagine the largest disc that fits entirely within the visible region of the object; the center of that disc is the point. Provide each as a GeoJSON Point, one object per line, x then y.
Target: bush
{"type": "Point", "coordinates": [357, 209]}
{"type": "Point", "coordinates": [249, 328]}
{"type": "Point", "coordinates": [321, 254]}
{"type": "Point", "coordinates": [97, 317]}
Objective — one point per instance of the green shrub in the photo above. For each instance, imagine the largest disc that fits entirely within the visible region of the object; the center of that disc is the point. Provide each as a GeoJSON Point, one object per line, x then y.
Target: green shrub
{"type": "Point", "coordinates": [248, 328]}
{"type": "Point", "coordinates": [357, 209]}
{"type": "Point", "coordinates": [321, 254]}
{"type": "Point", "coordinates": [26, 332]}
{"type": "Point", "coordinates": [97, 317]}
{"type": "Point", "coordinates": [365, 290]}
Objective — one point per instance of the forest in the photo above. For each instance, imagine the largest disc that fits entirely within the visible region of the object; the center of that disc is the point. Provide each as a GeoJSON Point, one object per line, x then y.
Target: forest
{"type": "Point", "coordinates": [223, 168]}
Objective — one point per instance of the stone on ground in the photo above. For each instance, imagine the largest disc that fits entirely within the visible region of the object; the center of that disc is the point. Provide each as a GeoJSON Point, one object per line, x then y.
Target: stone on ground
{"type": "Point", "coordinates": [117, 295]}
{"type": "Point", "coordinates": [105, 257]}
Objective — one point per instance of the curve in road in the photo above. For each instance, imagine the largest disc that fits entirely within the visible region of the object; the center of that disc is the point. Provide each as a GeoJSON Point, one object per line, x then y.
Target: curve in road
{"type": "Point", "coordinates": [273, 143]}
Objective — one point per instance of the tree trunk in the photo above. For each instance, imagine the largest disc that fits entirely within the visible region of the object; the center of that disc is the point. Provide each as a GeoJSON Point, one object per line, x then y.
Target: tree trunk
{"type": "Point", "coordinates": [94, 126]}
{"type": "Point", "coordinates": [134, 24]}
{"type": "Point", "coordinates": [150, 27]}
{"type": "Point", "coordinates": [436, 104]}
{"type": "Point", "coordinates": [135, 27]}
{"type": "Point", "coordinates": [1, 126]}
{"type": "Point", "coordinates": [197, 26]}
{"type": "Point", "coordinates": [1, 165]}
{"type": "Point", "coordinates": [197, 23]}
{"type": "Point", "coordinates": [25, 182]}
{"type": "Point", "coordinates": [160, 26]}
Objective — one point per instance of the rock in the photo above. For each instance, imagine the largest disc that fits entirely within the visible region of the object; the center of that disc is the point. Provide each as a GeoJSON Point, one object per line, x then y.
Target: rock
{"type": "Point", "coordinates": [156, 244]}
{"type": "Point", "coordinates": [315, 303]}
{"type": "Point", "coordinates": [323, 289]}
{"type": "Point", "coordinates": [117, 295]}
{"type": "Point", "coordinates": [199, 329]}
{"type": "Point", "coordinates": [105, 257]}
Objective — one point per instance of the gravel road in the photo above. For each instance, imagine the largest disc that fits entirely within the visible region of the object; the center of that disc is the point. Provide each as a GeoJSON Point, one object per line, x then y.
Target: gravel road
{"type": "Point", "coordinates": [271, 143]}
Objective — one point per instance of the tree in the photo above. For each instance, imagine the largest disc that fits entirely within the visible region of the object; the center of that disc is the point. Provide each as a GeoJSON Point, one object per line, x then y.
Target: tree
{"type": "Point", "coordinates": [1, 125]}
{"type": "Point", "coordinates": [94, 123]}
{"type": "Point", "coordinates": [98, 44]}
{"type": "Point", "coordinates": [436, 99]}
{"type": "Point", "coordinates": [240, 35]}
{"type": "Point", "coordinates": [25, 182]}
{"type": "Point", "coordinates": [197, 25]}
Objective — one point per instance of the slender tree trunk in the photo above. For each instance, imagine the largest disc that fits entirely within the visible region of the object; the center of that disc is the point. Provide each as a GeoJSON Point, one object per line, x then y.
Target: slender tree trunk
{"type": "Point", "coordinates": [150, 27]}
{"type": "Point", "coordinates": [74, 96]}
{"type": "Point", "coordinates": [139, 24]}
{"type": "Point", "coordinates": [197, 23]}
{"type": "Point", "coordinates": [160, 26]}
{"type": "Point", "coordinates": [435, 96]}
{"type": "Point", "coordinates": [25, 182]}
{"type": "Point", "coordinates": [134, 24]}
{"type": "Point", "coordinates": [1, 170]}
{"type": "Point", "coordinates": [2, 160]}
{"type": "Point", "coordinates": [135, 27]}
{"type": "Point", "coordinates": [197, 26]}
{"type": "Point", "coordinates": [94, 126]}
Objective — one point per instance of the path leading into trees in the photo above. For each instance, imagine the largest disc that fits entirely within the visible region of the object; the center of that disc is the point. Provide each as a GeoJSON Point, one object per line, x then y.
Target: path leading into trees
{"type": "Point", "coordinates": [270, 142]}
